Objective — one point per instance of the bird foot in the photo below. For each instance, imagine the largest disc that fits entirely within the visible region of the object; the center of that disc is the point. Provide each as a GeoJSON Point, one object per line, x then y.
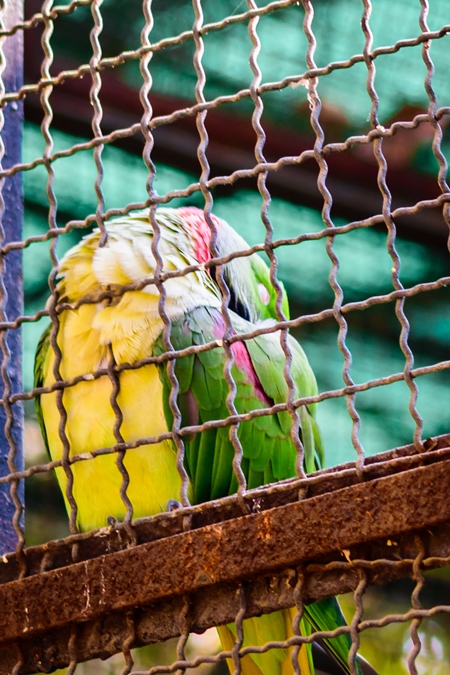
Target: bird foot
{"type": "Point", "coordinates": [173, 505]}
{"type": "Point", "coordinates": [112, 522]}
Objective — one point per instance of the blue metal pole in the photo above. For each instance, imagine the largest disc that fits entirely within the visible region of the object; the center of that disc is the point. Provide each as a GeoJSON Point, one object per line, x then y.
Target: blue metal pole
{"type": "Point", "coordinates": [11, 416]}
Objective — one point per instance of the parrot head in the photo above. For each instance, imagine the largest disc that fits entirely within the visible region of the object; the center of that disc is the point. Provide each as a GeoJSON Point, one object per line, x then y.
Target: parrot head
{"type": "Point", "coordinates": [184, 240]}
{"type": "Point", "coordinates": [252, 294]}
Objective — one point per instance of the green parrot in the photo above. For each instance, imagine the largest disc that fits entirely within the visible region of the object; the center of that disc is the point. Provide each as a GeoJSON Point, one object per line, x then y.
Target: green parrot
{"type": "Point", "coordinates": [128, 327]}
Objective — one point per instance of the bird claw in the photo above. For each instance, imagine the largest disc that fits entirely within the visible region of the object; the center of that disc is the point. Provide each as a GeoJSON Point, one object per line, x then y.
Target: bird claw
{"type": "Point", "coordinates": [173, 505]}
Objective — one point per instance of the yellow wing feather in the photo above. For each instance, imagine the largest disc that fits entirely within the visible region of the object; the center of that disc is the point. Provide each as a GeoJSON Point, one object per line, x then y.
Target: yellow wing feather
{"type": "Point", "coordinates": [86, 337]}
{"type": "Point", "coordinates": [90, 423]}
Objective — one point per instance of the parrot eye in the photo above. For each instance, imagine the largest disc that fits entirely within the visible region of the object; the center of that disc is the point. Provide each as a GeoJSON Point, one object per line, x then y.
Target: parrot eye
{"type": "Point", "coordinates": [264, 294]}
{"type": "Point", "coordinates": [235, 304]}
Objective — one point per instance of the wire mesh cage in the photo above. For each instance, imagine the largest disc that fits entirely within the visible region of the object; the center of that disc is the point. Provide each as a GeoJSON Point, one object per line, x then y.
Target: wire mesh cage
{"type": "Point", "coordinates": [186, 171]}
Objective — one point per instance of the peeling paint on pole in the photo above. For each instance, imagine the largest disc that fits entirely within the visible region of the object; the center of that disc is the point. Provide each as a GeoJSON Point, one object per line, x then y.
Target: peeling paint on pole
{"type": "Point", "coordinates": [11, 286]}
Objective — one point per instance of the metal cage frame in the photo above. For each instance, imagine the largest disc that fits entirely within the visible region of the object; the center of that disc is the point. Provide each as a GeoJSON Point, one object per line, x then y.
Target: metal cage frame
{"type": "Point", "coordinates": [401, 525]}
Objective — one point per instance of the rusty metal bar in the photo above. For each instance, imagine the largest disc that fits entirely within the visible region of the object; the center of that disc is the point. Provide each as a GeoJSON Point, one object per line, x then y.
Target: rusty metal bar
{"type": "Point", "coordinates": [367, 520]}
{"type": "Point", "coordinates": [11, 300]}
{"type": "Point", "coordinates": [56, 554]}
{"type": "Point", "coordinates": [102, 637]}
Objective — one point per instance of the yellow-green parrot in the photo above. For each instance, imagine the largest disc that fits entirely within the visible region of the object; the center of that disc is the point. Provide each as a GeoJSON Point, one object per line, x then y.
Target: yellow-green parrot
{"type": "Point", "coordinates": [128, 327]}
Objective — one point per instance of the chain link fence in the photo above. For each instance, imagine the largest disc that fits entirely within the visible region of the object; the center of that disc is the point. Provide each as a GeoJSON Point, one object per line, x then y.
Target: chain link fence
{"type": "Point", "coordinates": [145, 593]}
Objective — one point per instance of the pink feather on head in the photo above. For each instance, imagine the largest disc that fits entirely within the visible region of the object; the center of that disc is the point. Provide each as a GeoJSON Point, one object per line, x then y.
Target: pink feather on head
{"type": "Point", "coordinates": [200, 230]}
{"type": "Point", "coordinates": [201, 235]}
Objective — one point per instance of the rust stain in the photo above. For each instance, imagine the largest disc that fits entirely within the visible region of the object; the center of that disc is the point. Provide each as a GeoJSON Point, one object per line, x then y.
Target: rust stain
{"type": "Point", "coordinates": [265, 528]}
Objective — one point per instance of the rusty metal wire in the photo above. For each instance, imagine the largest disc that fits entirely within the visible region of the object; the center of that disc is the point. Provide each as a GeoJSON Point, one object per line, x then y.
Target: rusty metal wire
{"type": "Point", "coordinates": [206, 193]}
{"type": "Point", "coordinates": [432, 110]}
{"type": "Point", "coordinates": [316, 105]}
{"type": "Point", "coordinates": [416, 556]}
{"type": "Point", "coordinates": [265, 194]}
{"type": "Point", "coordinates": [244, 93]}
{"type": "Point", "coordinates": [213, 424]}
{"type": "Point", "coordinates": [391, 227]}
{"type": "Point", "coordinates": [39, 17]}
{"type": "Point", "coordinates": [46, 133]}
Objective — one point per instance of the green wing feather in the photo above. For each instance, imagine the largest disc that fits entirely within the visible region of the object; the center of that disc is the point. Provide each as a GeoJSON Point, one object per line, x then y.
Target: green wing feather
{"type": "Point", "coordinates": [209, 455]}
{"type": "Point", "coordinates": [327, 615]}
{"type": "Point", "coordinates": [268, 450]}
